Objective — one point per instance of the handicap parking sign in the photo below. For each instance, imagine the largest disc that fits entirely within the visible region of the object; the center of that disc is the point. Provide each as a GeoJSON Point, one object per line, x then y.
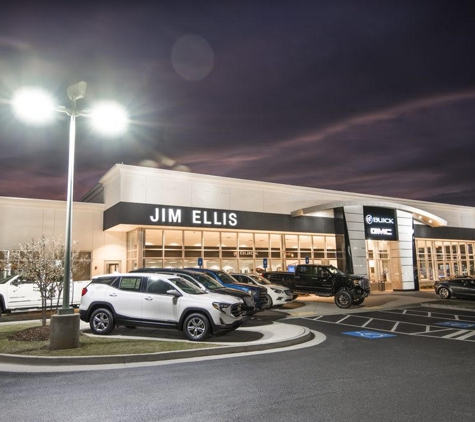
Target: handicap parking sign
{"type": "Point", "coordinates": [369, 334]}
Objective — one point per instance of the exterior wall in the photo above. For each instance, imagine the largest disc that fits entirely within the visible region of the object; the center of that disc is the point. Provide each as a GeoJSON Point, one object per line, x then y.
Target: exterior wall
{"type": "Point", "coordinates": [123, 183]}
{"type": "Point", "coordinates": [132, 189]}
{"type": "Point", "coordinates": [22, 220]}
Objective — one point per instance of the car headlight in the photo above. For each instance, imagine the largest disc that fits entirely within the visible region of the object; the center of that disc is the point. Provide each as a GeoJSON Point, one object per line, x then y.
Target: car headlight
{"type": "Point", "coordinates": [221, 306]}
{"type": "Point", "coordinates": [279, 291]}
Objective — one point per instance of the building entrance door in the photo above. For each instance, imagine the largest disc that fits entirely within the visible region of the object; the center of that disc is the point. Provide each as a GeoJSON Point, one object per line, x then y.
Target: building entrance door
{"type": "Point", "coordinates": [112, 267]}
{"type": "Point", "coordinates": [378, 261]}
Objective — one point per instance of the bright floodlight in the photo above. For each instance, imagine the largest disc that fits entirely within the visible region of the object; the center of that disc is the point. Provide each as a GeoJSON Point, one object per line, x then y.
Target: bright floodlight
{"type": "Point", "coordinates": [110, 118]}
{"type": "Point", "coordinates": [33, 105]}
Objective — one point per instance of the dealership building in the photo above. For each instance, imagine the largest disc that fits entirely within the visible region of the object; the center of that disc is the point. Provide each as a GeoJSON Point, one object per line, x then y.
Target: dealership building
{"type": "Point", "coordinates": [145, 217]}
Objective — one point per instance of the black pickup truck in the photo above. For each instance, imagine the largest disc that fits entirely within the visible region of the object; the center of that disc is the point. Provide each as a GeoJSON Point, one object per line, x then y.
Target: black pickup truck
{"type": "Point", "coordinates": [324, 280]}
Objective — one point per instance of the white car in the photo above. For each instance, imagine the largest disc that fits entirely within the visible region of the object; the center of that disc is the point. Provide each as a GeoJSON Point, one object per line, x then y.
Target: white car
{"type": "Point", "coordinates": [16, 293]}
{"type": "Point", "coordinates": [158, 301]}
{"type": "Point", "coordinates": [277, 295]}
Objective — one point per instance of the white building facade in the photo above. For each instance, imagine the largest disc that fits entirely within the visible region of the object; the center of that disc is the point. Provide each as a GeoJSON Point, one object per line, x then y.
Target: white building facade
{"type": "Point", "coordinates": [143, 217]}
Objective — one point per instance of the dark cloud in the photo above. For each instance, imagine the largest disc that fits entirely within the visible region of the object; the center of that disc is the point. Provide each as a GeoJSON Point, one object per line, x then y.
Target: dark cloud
{"type": "Point", "coordinates": [376, 98]}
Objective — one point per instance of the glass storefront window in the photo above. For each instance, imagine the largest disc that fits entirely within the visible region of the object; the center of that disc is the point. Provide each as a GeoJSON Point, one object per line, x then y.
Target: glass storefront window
{"type": "Point", "coordinates": [173, 263]}
{"type": "Point", "coordinates": [228, 251]}
{"type": "Point", "coordinates": [133, 248]}
{"type": "Point", "coordinates": [153, 263]}
{"type": "Point", "coordinates": [193, 243]}
{"type": "Point", "coordinates": [275, 242]}
{"type": "Point", "coordinates": [246, 247]}
{"type": "Point", "coordinates": [211, 244]}
{"type": "Point", "coordinates": [291, 251]}
{"type": "Point", "coordinates": [331, 247]}
{"type": "Point", "coordinates": [318, 248]}
{"type": "Point", "coordinates": [451, 258]}
{"type": "Point", "coordinates": [262, 249]}
{"type": "Point", "coordinates": [305, 243]}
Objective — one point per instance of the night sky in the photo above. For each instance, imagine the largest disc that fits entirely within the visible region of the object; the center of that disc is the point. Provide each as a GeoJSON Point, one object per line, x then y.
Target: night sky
{"type": "Point", "coordinates": [373, 97]}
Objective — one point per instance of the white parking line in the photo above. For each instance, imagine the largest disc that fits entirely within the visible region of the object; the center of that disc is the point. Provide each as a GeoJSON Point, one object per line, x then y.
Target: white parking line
{"type": "Point", "coordinates": [367, 322]}
{"type": "Point", "coordinates": [466, 336]}
{"type": "Point", "coordinates": [457, 333]}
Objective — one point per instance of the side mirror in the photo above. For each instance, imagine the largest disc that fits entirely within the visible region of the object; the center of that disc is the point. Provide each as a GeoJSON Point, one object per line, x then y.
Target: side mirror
{"type": "Point", "coordinates": [16, 282]}
{"type": "Point", "coordinates": [174, 292]}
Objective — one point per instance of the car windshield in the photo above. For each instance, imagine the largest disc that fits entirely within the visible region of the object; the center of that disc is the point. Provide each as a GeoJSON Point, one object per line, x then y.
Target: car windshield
{"type": "Point", "coordinates": [6, 279]}
{"type": "Point", "coordinates": [225, 277]}
{"type": "Point", "coordinates": [207, 281]}
{"type": "Point", "coordinates": [186, 286]}
{"type": "Point", "coordinates": [259, 279]}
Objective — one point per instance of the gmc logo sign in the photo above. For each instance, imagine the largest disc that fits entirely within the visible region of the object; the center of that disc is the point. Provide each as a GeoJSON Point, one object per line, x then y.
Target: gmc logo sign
{"type": "Point", "coordinates": [384, 232]}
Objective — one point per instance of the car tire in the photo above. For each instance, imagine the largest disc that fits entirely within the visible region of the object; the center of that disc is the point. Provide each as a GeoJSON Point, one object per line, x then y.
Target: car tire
{"type": "Point", "coordinates": [269, 302]}
{"type": "Point", "coordinates": [444, 293]}
{"type": "Point", "coordinates": [358, 301]}
{"type": "Point", "coordinates": [343, 299]}
{"type": "Point", "coordinates": [196, 327]}
{"type": "Point", "coordinates": [102, 321]}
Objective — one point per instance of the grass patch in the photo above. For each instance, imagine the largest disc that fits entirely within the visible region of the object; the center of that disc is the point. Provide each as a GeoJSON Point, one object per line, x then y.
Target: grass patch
{"type": "Point", "coordinates": [89, 345]}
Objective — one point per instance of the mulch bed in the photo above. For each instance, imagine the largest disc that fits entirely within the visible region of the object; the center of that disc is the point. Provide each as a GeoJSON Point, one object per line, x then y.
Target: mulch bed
{"type": "Point", "coordinates": [32, 334]}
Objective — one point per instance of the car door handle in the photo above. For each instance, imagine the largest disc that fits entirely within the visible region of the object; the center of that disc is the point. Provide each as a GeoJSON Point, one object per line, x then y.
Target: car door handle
{"type": "Point", "coordinates": [113, 294]}
{"type": "Point", "coordinates": [149, 298]}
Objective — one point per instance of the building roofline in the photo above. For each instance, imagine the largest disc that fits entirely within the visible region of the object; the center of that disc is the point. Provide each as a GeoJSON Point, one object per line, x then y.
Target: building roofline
{"type": "Point", "coordinates": [418, 214]}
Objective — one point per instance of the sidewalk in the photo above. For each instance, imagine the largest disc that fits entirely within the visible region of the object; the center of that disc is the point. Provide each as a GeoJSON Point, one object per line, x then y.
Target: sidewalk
{"type": "Point", "coordinates": [262, 333]}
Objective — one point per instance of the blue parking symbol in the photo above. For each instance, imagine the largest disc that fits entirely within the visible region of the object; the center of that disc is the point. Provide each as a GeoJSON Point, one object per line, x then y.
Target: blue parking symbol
{"type": "Point", "coordinates": [369, 334]}
{"type": "Point", "coordinates": [456, 324]}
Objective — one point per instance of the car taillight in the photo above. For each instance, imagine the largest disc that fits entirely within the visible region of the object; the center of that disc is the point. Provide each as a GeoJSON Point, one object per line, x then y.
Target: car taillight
{"type": "Point", "coordinates": [83, 291]}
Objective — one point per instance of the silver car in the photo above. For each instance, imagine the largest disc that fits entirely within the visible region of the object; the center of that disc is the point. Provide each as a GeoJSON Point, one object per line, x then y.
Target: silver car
{"type": "Point", "coordinates": [277, 295]}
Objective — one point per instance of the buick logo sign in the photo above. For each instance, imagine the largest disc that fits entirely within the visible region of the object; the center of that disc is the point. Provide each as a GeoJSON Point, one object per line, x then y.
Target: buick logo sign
{"type": "Point", "coordinates": [381, 220]}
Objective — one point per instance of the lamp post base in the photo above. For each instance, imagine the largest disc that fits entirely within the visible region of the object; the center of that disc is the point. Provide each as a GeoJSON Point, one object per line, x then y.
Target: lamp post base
{"type": "Point", "coordinates": [64, 332]}
{"type": "Point", "coordinates": [65, 311]}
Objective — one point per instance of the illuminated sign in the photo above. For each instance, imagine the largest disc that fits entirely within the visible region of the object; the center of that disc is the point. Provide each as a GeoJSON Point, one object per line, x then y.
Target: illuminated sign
{"type": "Point", "coordinates": [380, 223]}
{"type": "Point", "coordinates": [197, 217]}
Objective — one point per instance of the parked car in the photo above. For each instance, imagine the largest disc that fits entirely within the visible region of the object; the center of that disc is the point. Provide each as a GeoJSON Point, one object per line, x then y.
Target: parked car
{"type": "Point", "coordinates": [459, 286]}
{"type": "Point", "coordinates": [277, 295]}
{"type": "Point", "coordinates": [207, 284]}
{"type": "Point", "coordinates": [324, 280]}
{"type": "Point", "coordinates": [157, 301]}
{"type": "Point", "coordinates": [17, 293]}
{"type": "Point", "coordinates": [258, 292]}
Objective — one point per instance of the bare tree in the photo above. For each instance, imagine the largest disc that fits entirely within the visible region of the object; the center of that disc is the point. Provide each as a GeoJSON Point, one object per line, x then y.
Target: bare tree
{"type": "Point", "coordinates": [42, 262]}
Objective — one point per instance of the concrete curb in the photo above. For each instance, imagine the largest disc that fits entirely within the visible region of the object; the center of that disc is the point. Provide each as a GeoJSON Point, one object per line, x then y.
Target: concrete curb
{"type": "Point", "coordinates": [303, 337]}
{"type": "Point", "coordinates": [461, 307]}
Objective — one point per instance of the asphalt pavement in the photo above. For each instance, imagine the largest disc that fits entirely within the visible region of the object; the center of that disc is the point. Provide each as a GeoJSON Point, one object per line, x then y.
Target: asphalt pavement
{"type": "Point", "coordinates": [264, 332]}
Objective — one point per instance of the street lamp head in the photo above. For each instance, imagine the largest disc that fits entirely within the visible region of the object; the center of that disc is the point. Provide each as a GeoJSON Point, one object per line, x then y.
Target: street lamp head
{"type": "Point", "coordinates": [109, 118]}
{"type": "Point", "coordinates": [77, 91]}
{"type": "Point", "coordinates": [33, 105]}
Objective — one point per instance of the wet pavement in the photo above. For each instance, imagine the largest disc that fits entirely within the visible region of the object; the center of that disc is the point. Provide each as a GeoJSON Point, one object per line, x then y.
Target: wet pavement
{"type": "Point", "coordinates": [263, 332]}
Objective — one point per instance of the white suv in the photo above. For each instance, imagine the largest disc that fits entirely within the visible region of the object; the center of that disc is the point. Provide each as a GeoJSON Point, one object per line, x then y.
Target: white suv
{"type": "Point", "coordinates": [158, 301]}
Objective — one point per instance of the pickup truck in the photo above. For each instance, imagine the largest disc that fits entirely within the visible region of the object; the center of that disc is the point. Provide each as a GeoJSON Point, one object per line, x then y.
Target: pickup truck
{"type": "Point", "coordinates": [324, 280]}
{"type": "Point", "coordinates": [17, 293]}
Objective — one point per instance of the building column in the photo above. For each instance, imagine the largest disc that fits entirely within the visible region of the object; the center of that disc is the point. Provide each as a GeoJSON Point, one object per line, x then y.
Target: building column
{"type": "Point", "coordinates": [356, 235]}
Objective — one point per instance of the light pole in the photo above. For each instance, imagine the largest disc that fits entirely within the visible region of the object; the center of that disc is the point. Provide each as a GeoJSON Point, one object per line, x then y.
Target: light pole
{"type": "Point", "coordinates": [75, 92]}
{"type": "Point", "coordinates": [34, 105]}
